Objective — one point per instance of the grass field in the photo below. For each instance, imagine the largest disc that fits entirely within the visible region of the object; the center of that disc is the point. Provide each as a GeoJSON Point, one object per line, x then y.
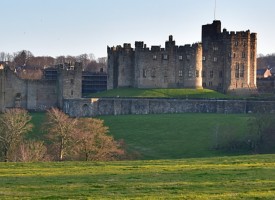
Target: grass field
{"type": "Point", "coordinates": [169, 136]}
{"type": "Point", "coordinates": [238, 177]}
{"type": "Point", "coordinates": [156, 93]}
{"type": "Point", "coordinates": [172, 136]}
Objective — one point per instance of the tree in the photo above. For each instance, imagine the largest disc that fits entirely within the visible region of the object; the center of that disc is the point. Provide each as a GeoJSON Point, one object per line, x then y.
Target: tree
{"type": "Point", "coordinates": [60, 129]}
{"type": "Point", "coordinates": [14, 124]}
{"type": "Point", "coordinates": [262, 133]}
{"type": "Point", "coordinates": [33, 151]}
{"type": "Point", "coordinates": [22, 58]}
{"type": "Point", "coordinates": [93, 143]}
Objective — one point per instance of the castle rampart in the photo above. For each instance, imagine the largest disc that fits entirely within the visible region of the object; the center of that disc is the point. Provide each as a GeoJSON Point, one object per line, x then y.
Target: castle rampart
{"type": "Point", "coordinates": [129, 106]}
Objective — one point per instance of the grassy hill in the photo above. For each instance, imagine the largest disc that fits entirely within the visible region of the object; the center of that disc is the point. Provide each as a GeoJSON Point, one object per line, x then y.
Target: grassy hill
{"type": "Point", "coordinates": [156, 93]}
{"type": "Point", "coordinates": [240, 177]}
{"type": "Point", "coordinates": [171, 136]}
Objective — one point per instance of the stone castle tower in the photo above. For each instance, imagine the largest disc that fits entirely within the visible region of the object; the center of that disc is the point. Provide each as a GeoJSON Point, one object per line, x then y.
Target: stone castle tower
{"type": "Point", "coordinates": [229, 58]}
{"type": "Point", "coordinates": [69, 82]}
{"type": "Point", "coordinates": [224, 61]}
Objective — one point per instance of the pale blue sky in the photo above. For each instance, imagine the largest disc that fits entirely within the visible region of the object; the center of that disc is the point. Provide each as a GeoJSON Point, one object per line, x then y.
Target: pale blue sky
{"type": "Point", "coordinates": [74, 27]}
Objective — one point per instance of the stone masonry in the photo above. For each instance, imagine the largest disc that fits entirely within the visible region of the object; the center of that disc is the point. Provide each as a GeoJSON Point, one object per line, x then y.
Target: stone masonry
{"type": "Point", "coordinates": [223, 61]}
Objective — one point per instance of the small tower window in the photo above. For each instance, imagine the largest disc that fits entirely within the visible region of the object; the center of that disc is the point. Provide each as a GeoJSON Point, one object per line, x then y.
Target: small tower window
{"type": "Point", "coordinates": [180, 73]}
{"type": "Point", "coordinates": [188, 57]}
{"type": "Point", "coordinates": [220, 74]}
{"type": "Point", "coordinates": [242, 71]}
{"type": "Point", "coordinates": [197, 73]}
{"type": "Point", "coordinates": [215, 59]}
{"type": "Point", "coordinates": [190, 73]}
{"type": "Point", "coordinates": [165, 57]}
{"type": "Point", "coordinates": [180, 58]}
{"type": "Point", "coordinates": [243, 54]}
{"type": "Point", "coordinates": [237, 70]}
{"type": "Point", "coordinates": [144, 73]}
{"type": "Point", "coordinates": [215, 48]}
{"type": "Point", "coordinates": [236, 43]}
{"type": "Point", "coordinates": [203, 74]}
{"type": "Point", "coordinates": [203, 58]}
{"type": "Point", "coordinates": [154, 57]}
{"type": "Point", "coordinates": [72, 92]}
{"type": "Point", "coordinates": [211, 74]}
{"type": "Point", "coordinates": [72, 81]}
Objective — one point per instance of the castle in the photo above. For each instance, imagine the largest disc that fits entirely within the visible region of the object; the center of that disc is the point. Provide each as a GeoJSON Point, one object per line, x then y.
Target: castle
{"type": "Point", "coordinates": [223, 61]}
{"type": "Point", "coordinates": [40, 95]}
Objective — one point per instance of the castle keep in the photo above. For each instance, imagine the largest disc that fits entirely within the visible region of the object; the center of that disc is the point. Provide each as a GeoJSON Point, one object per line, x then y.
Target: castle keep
{"type": "Point", "coordinates": [223, 61]}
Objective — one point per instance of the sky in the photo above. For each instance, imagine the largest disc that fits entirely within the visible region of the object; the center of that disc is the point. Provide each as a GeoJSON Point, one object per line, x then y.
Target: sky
{"type": "Point", "coordinates": [74, 27]}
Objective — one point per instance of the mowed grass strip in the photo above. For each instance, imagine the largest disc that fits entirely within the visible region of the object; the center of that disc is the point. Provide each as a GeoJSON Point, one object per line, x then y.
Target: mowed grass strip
{"type": "Point", "coordinates": [238, 177]}
{"type": "Point", "coordinates": [160, 93]}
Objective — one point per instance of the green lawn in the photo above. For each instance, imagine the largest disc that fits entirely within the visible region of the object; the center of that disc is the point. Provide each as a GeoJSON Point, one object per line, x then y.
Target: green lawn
{"type": "Point", "coordinates": [156, 93]}
{"type": "Point", "coordinates": [172, 136]}
{"type": "Point", "coordinates": [239, 177]}
{"type": "Point", "coordinates": [169, 136]}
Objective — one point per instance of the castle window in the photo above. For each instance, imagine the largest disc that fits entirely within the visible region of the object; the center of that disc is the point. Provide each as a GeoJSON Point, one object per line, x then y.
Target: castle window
{"type": "Point", "coordinates": [215, 59]}
{"type": "Point", "coordinates": [197, 73]}
{"type": "Point", "coordinates": [244, 43]}
{"type": "Point", "coordinates": [72, 81]}
{"type": "Point", "coordinates": [211, 74]}
{"type": "Point", "coordinates": [144, 73]}
{"type": "Point", "coordinates": [203, 74]}
{"type": "Point", "coordinates": [243, 54]}
{"type": "Point", "coordinates": [190, 73]}
{"type": "Point", "coordinates": [220, 74]}
{"type": "Point", "coordinates": [234, 55]}
{"type": "Point", "coordinates": [188, 57]}
{"type": "Point", "coordinates": [236, 43]}
{"type": "Point", "coordinates": [242, 71]}
{"type": "Point", "coordinates": [154, 57]}
{"type": "Point", "coordinates": [153, 72]}
{"type": "Point", "coordinates": [180, 57]}
{"type": "Point", "coordinates": [165, 57]}
{"type": "Point", "coordinates": [210, 83]}
{"type": "Point", "coordinates": [237, 70]}
{"type": "Point", "coordinates": [203, 58]}
{"type": "Point", "coordinates": [72, 92]}
{"type": "Point", "coordinates": [215, 48]}
{"type": "Point", "coordinates": [180, 73]}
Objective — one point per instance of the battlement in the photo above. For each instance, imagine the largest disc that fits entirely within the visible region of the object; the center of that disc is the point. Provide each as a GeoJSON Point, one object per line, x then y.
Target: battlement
{"type": "Point", "coordinates": [213, 31]}
{"type": "Point", "coordinates": [140, 46]}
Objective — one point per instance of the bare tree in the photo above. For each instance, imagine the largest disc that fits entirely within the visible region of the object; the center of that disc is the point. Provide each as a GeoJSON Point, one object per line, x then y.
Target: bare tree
{"type": "Point", "coordinates": [22, 58]}
{"type": "Point", "coordinates": [60, 129]}
{"type": "Point", "coordinates": [14, 124]}
{"type": "Point", "coordinates": [93, 143]}
{"type": "Point", "coordinates": [33, 151]}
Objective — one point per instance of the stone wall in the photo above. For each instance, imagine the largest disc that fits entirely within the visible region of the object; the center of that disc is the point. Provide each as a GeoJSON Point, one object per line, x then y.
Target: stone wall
{"type": "Point", "coordinates": [36, 95]}
{"type": "Point", "coordinates": [129, 106]}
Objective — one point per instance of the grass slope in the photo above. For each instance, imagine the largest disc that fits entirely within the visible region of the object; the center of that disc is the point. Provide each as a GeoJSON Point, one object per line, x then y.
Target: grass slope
{"type": "Point", "coordinates": [169, 136]}
{"type": "Point", "coordinates": [156, 93]}
{"type": "Point", "coordinates": [240, 177]}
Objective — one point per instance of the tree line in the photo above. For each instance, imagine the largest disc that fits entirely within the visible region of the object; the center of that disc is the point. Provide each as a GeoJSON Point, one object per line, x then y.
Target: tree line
{"type": "Point", "coordinates": [266, 61]}
{"type": "Point", "coordinates": [65, 138]}
{"type": "Point", "coordinates": [25, 61]}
